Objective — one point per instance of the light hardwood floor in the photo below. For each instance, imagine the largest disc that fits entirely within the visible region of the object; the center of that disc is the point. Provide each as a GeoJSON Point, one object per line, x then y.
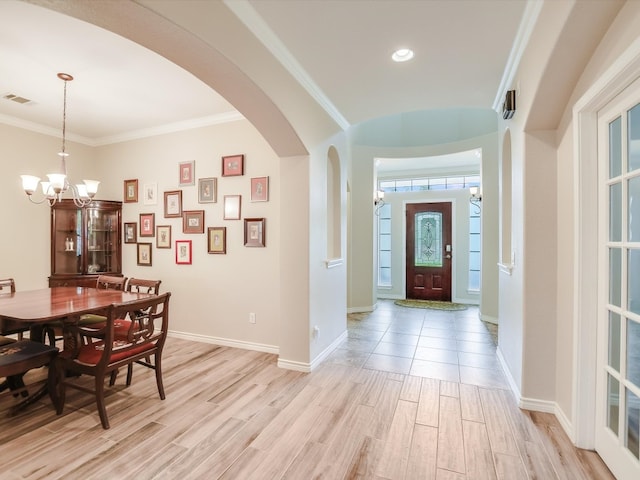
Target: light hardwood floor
{"type": "Point", "coordinates": [233, 414]}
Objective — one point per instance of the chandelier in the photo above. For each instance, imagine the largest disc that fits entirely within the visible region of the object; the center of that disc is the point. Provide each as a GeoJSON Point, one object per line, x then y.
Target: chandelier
{"type": "Point", "coordinates": [58, 183]}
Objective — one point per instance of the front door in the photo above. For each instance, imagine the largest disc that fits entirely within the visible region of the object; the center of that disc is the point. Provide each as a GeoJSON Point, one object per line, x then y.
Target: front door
{"type": "Point", "coordinates": [428, 262]}
{"type": "Point", "coordinates": [618, 380]}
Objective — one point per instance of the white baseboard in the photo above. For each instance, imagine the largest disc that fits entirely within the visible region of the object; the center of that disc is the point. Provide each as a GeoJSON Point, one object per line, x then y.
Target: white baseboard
{"type": "Point", "coordinates": [535, 404]}
{"type": "Point", "coordinates": [225, 342]}
{"type": "Point", "coordinates": [488, 319]}
{"type": "Point", "coordinates": [512, 383]}
{"type": "Point", "coordinates": [293, 365]}
{"type": "Point", "coordinates": [390, 296]}
{"type": "Point", "coordinates": [309, 367]}
{"type": "Point", "coordinates": [361, 309]}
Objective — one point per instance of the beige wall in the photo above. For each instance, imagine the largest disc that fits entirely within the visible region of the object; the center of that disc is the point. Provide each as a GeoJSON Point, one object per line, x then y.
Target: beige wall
{"type": "Point", "coordinates": [212, 298]}
{"type": "Point", "coordinates": [363, 277]}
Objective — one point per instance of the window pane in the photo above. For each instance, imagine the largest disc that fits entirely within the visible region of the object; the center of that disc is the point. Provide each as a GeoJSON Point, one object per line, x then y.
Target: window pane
{"type": "Point", "coordinates": [474, 242]}
{"type": "Point", "coordinates": [385, 211]}
{"type": "Point", "coordinates": [633, 289]}
{"type": "Point", "coordinates": [403, 185]}
{"type": "Point", "coordinates": [472, 181]}
{"type": "Point", "coordinates": [613, 403]}
{"type": "Point", "coordinates": [385, 259]}
{"type": "Point", "coordinates": [474, 261]}
{"type": "Point", "coordinates": [474, 280]}
{"type": "Point", "coordinates": [385, 277]}
{"type": "Point", "coordinates": [385, 242]}
{"type": "Point", "coordinates": [615, 150]}
{"type": "Point", "coordinates": [615, 272]}
{"type": "Point", "coordinates": [474, 224]}
{"type": "Point", "coordinates": [633, 215]}
{"type": "Point", "coordinates": [385, 225]}
{"type": "Point", "coordinates": [614, 340]}
{"type": "Point", "coordinates": [633, 352]}
{"type": "Point", "coordinates": [428, 239]}
{"type": "Point", "coordinates": [455, 183]}
{"type": "Point", "coordinates": [387, 185]}
{"type": "Point", "coordinates": [633, 142]}
{"type": "Point", "coordinates": [615, 213]}
{"type": "Point", "coordinates": [421, 184]}
{"type": "Point", "coordinates": [633, 424]}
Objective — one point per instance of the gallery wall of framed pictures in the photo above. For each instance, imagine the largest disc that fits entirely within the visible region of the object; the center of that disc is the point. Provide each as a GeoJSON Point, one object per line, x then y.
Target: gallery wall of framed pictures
{"type": "Point", "coordinates": [188, 209]}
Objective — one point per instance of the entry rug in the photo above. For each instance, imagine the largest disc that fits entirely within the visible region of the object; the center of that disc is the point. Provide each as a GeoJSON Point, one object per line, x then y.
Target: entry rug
{"type": "Point", "coordinates": [432, 304]}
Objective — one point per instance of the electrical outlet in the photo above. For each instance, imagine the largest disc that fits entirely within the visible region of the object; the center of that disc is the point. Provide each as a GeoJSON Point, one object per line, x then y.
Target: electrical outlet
{"type": "Point", "coordinates": [252, 318]}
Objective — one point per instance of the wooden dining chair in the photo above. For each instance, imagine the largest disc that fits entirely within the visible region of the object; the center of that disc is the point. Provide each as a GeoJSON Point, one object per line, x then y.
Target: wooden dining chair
{"type": "Point", "coordinates": [7, 287]}
{"type": "Point", "coordinates": [16, 359]}
{"type": "Point", "coordinates": [99, 352]}
{"type": "Point", "coordinates": [135, 285]}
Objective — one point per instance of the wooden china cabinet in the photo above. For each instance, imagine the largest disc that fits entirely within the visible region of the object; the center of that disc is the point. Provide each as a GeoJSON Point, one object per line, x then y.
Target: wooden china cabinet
{"type": "Point", "coordinates": [85, 242]}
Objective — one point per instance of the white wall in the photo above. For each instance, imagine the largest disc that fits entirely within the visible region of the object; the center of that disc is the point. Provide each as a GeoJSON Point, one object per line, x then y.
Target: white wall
{"type": "Point", "coordinates": [460, 239]}
{"type": "Point", "coordinates": [363, 277]}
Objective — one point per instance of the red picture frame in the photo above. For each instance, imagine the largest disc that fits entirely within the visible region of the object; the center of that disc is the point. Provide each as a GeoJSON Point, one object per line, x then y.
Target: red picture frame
{"type": "Point", "coordinates": [187, 173]}
{"type": "Point", "coordinates": [232, 165]}
{"type": "Point", "coordinates": [147, 224]}
{"type": "Point", "coordinates": [183, 252]}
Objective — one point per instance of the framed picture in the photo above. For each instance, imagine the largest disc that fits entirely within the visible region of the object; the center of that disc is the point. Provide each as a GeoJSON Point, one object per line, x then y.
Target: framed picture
{"type": "Point", "coordinates": [193, 221]}
{"type": "Point", "coordinates": [231, 207]}
{"type": "Point", "coordinates": [183, 252]}
{"type": "Point", "coordinates": [144, 254]}
{"type": "Point", "coordinates": [147, 224]}
{"type": "Point", "coordinates": [217, 240]}
{"type": "Point", "coordinates": [173, 203]}
{"type": "Point", "coordinates": [254, 232]}
{"type": "Point", "coordinates": [130, 191]}
{"type": "Point", "coordinates": [150, 194]}
{"type": "Point", "coordinates": [207, 190]}
{"type": "Point", "coordinates": [232, 165]}
{"type": "Point", "coordinates": [187, 173]}
{"type": "Point", "coordinates": [163, 236]}
{"type": "Point", "coordinates": [260, 189]}
{"type": "Point", "coordinates": [131, 232]}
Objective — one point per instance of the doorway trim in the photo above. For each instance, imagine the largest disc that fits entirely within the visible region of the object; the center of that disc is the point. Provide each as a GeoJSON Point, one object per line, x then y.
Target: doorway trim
{"type": "Point", "coordinates": [452, 201]}
{"type": "Point", "coordinates": [613, 81]}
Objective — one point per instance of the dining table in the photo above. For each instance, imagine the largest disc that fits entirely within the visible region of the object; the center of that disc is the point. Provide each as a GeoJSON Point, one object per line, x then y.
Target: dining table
{"type": "Point", "coordinates": [36, 308]}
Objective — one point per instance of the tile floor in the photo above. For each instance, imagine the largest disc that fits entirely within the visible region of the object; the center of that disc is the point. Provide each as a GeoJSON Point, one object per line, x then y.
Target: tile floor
{"type": "Point", "coordinates": [451, 346]}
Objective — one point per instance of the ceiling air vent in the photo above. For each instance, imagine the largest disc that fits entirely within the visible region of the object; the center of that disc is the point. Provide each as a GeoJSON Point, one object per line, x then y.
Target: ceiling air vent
{"type": "Point", "coordinates": [16, 98]}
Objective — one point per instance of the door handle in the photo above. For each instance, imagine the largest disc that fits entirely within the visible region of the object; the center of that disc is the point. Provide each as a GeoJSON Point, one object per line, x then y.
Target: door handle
{"type": "Point", "coordinates": [447, 256]}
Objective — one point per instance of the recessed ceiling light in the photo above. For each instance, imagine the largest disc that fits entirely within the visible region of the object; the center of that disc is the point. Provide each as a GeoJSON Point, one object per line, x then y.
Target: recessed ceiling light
{"type": "Point", "coordinates": [402, 55]}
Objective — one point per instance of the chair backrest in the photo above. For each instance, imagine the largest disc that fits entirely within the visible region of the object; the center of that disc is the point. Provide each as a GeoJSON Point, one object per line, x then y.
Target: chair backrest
{"type": "Point", "coordinates": [140, 285]}
{"type": "Point", "coordinates": [7, 285]}
{"type": "Point", "coordinates": [110, 282]}
{"type": "Point", "coordinates": [146, 321]}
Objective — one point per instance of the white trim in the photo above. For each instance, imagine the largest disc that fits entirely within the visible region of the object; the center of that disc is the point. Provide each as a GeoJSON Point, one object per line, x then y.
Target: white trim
{"type": "Point", "coordinates": [507, 372]}
{"type": "Point", "coordinates": [368, 309]}
{"type": "Point", "coordinates": [225, 342]}
{"type": "Point", "coordinates": [505, 268]}
{"type": "Point", "coordinates": [254, 22]}
{"type": "Point", "coordinates": [133, 135]}
{"type": "Point", "coordinates": [390, 296]}
{"type": "Point", "coordinates": [489, 319]}
{"type": "Point", "coordinates": [328, 351]}
{"type": "Point", "coordinates": [293, 365]}
{"type": "Point", "coordinates": [537, 405]}
{"type": "Point", "coordinates": [622, 72]}
{"type": "Point", "coordinates": [335, 262]}
{"type": "Point", "coordinates": [529, 18]}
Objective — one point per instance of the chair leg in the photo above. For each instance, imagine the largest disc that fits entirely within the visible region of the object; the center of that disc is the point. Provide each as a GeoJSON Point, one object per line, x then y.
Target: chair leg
{"type": "Point", "coordinates": [60, 387]}
{"type": "Point", "coordinates": [100, 401]}
{"type": "Point", "coordinates": [129, 373]}
{"type": "Point", "coordinates": [158, 369]}
{"type": "Point", "coordinates": [112, 378]}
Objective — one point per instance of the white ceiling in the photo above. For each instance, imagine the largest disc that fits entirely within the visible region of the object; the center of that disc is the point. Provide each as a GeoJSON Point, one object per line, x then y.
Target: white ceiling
{"type": "Point", "coordinates": [339, 49]}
